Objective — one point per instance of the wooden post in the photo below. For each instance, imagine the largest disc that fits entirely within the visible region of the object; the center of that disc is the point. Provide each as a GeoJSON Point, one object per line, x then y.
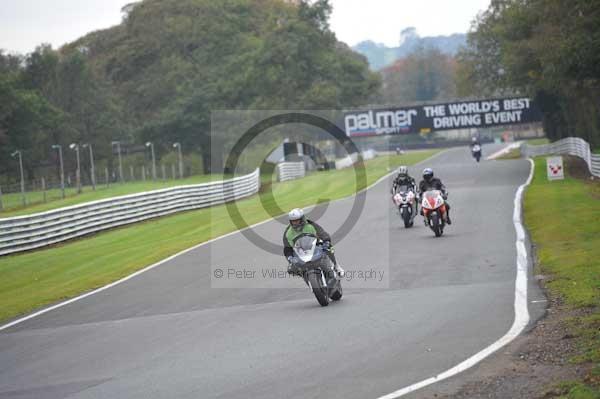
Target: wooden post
{"type": "Point", "coordinates": [106, 177]}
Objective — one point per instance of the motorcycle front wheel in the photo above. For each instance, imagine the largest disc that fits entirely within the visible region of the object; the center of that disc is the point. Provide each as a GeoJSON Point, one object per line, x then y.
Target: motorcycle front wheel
{"type": "Point", "coordinates": [436, 225]}
{"type": "Point", "coordinates": [320, 291]}
{"type": "Point", "coordinates": [406, 217]}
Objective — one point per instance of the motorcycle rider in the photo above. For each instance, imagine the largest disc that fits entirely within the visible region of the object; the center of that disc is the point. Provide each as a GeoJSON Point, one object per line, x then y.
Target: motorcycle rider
{"type": "Point", "coordinates": [430, 182]}
{"type": "Point", "coordinates": [299, 224]}
{"type": "Point", "coordinates": [475, 141]}
{"type": "Point", "coordinates": [403, 179]}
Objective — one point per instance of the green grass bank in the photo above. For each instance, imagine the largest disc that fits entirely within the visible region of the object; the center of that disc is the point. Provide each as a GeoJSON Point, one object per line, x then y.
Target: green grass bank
{"type": "Point", "coordinates": [563, 218]}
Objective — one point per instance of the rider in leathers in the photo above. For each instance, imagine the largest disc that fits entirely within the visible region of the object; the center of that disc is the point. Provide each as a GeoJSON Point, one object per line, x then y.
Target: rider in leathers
{"type": "Point", "coordinates": [433, 183]}
{"type": "Point", "coordinates": [403, 179]}
{"type": "Point", "coordinates": [299, 225]}
{"type": "Point", "coordinates": [474, 141]}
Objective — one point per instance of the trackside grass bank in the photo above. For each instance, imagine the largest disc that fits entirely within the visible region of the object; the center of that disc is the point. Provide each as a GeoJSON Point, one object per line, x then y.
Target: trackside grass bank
{"type": "Point", "coordinates": [12, 203]}
{"type": "Point", "coordinates": [32, 280]}
{"type": "Point", "coordinates": [563, 218]}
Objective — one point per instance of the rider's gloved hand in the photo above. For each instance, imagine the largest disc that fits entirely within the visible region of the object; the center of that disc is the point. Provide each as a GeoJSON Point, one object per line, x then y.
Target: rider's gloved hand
{"type": "Point", "coordinates": [326, 245]}
{"type": "Point", "coordinates": [290, 258]}
{"type": "Point", "coordinates": [293, 270]}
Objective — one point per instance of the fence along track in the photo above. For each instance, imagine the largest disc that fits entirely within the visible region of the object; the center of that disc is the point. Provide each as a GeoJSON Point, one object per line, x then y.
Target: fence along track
{"type": "Point", "coordinates": [570, 146]}
{"type": "Point", "coordinates": [23, 233]}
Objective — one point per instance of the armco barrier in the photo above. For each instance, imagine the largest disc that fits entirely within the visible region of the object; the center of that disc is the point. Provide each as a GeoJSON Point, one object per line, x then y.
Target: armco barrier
{"type": "Point", "coordinates": [571, 146]}
{"type": "Point", "coordinates": [290, 170]}
{"type": "Point", "coordinates": [28, 232]}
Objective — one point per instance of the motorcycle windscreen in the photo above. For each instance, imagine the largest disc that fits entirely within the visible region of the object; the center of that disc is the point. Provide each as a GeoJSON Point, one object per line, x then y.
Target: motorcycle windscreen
{"type": "Point", "coordinates": [431, 199]}
{"type": "Point", "coordinates": [403, 189]}
{"type": "Point", "coordinates": [305, 248]}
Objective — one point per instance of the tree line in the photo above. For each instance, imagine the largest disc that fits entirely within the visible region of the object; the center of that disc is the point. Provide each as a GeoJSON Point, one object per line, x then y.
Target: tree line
{"type": "Point", "coordinates": [546, 49]}
{"type": "Point", "coordinates": [425, 74]}
{"type": "Point", "coordinates": [158, 75]}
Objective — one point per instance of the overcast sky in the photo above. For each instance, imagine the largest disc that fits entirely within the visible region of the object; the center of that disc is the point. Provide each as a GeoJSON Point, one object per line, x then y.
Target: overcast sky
{"type": "Point", "coordinates": [24, 24]}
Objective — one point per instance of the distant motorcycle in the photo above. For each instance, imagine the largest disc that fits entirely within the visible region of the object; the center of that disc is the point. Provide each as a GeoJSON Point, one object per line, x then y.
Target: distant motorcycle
{"type": "Point", "coordinates": [405, 200]}
{"type": "Point", "coordinates": [316, 269]}
{"type": "Point", "coordinates": [434, 211]}
{"type": "Point", "coordinates": [476, 152]}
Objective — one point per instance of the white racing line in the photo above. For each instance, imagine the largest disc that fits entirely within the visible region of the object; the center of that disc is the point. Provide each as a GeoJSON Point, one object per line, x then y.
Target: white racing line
{"type": "Point", "coordinates": [521, 311]}
{"type": "Point", "coordinates": [148, 268]}
{"type": "Point", "coordinates": [504, 151]}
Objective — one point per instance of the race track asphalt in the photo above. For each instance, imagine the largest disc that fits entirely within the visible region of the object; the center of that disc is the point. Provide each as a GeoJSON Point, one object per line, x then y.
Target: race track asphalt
{"type": "Point", "coordinates": [416, 306]}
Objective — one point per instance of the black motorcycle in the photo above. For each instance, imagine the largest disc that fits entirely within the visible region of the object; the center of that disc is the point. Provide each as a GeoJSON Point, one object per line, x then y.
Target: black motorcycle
{"type": "Point", "coordinates": [315, 267]}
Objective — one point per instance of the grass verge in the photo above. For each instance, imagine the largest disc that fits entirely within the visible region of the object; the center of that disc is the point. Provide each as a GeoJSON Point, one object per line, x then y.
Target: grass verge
{"type": "Point", "coordinates": [562, 217]}
{"type": "Point", "coordinates": [12, 205]}
{"type": "Point", "coordinates": [539, 141]}
{"type": "Point", "coordinates": [32, 280]}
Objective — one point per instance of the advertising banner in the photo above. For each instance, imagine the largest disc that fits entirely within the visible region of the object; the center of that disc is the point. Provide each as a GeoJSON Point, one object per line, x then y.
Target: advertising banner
{"type": "Point", "coordinates": [446, 116]}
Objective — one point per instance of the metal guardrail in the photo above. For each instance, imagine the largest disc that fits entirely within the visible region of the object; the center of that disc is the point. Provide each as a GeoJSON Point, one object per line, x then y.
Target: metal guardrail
{"type": "Point", "coordinates": [290, 170]}
{"type": "Point", "coordinates": [571, 146]}
{"type": "Point", "coordinates": [28, 232]}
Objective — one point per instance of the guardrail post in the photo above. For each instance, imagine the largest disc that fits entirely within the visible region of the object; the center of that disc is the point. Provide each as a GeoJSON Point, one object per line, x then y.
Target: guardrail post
{"type": "Point", "coordinates": [131, 173]}
{"type": "Point", "coordinates": [162, 167]}
{"type": "Point", "coordinates": [173, 171]}
{"type": "Point", "coordinates": [106, 177]}
{"type": "Point", "coordinates": [44, 189]}
{"type": "Point", "coordinates": [144, 172]}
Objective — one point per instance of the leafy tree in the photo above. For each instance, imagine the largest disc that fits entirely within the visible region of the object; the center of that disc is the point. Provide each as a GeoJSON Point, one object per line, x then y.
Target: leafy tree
{"type": "Point", "coordinates": [26, 118]}
{"type": "Point", "coordinates": [547, 49]}
{"type": "Point", "coordinates": [160, 73]}
{"type": "Point", "coordinates": [425, 75]}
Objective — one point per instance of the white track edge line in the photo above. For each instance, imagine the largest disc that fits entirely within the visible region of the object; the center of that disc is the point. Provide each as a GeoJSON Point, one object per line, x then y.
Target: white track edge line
{"type": "Point", "coordinates": [147, 268]}
{"type": "Point", "coordinates": [521, 310]}
{"type": "Point", "coordinates": [504, 151]}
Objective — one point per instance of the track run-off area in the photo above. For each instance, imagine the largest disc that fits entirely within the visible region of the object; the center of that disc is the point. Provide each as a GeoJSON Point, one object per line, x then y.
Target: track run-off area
{"type": "Point", "coordinates": [168, 333]}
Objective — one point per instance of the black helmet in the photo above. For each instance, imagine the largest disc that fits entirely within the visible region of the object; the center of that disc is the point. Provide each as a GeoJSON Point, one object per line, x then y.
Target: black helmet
{"type": "Point", "coordinates": [427, 174]}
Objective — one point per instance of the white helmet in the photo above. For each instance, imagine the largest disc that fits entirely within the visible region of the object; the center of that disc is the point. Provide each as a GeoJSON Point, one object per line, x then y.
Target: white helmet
{"type": "Point", "coordinates": [297, 218]}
